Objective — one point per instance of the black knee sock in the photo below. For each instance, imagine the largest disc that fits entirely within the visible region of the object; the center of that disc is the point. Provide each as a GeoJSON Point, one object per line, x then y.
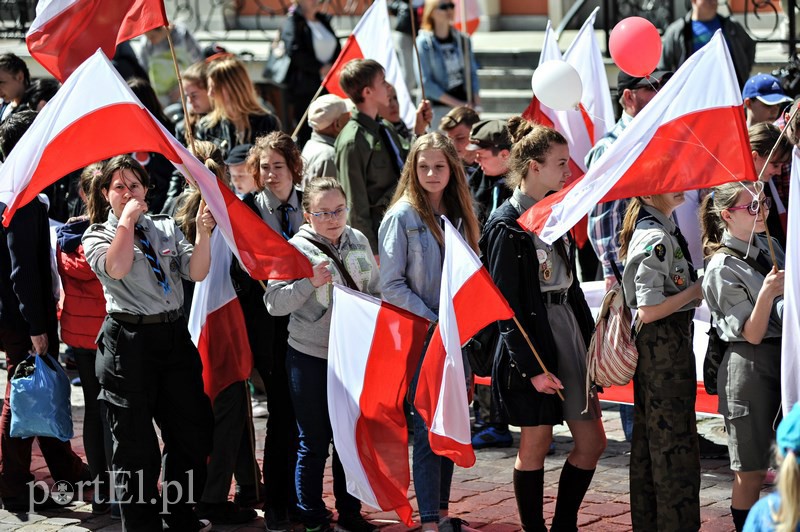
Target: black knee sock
{"type": "Point", "coordinates": [529, 492]}
{"type": "Point", "coordinates": [739, 517]}
{"type": "Point", "coordinates": [572, 487]}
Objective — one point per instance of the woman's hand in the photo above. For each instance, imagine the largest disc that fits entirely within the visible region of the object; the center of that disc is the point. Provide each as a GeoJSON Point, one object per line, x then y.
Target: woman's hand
{"type": "Point", "coordinates": [132, 210]}
{"type": "Point", "coordinates": [773, 284]}
{"type": "Point", "coordinates": [697, 290]}
{"type": "Point", "coordinates": [545, 383]}
{"type": "Point", "coordinates": [321, 275]}
{"type": "Point", "coordinates": [205, 220]}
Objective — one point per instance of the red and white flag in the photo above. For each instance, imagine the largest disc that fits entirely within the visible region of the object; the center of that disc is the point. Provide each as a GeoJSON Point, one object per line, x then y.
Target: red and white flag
{"type": "Point", "coordinates": [687, 137]}
{"type": "Point", "coordinates": [73, 131]}
{"type": "Point", "coordinates": [374, 350]}
{"type": "Point", "coordinates": [584, 126]}
{"type": "Point", "coordinates": [372, 39]}
{"type": "Point", "coordinates": [469, 11]}
{"type": "Point", "coordinates": [790, 345]}
{"type": "Point", "coordinates": [441, 397]}
{"type": "Point", "coordinates": [216, 323]}
{"type": "Point", "coordinates": [67, 32]}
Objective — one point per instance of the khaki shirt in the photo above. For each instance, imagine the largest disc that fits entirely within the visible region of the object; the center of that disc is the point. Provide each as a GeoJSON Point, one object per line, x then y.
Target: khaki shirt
{"type": "Point", "coordinates": [555, 275]}
{"type": "Point", "coordinates": [268, 204]}
{"type": "Point", "coordinates": [731, 286]}
{"type": "Point", "coordinates": [139, 292]}
{"type": "Point", "coordinates": [655, 267]}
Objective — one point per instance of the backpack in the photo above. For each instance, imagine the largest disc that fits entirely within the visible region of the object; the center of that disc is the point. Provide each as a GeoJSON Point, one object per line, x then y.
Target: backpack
{"type": "Point", "coordinates": [482, 349]}
{"type": "Point", "coordinates": [612, 356]}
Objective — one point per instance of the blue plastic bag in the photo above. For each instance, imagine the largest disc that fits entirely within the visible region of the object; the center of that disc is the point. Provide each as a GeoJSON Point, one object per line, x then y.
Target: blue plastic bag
{"type": "Point", "coordinates": [40, 404]}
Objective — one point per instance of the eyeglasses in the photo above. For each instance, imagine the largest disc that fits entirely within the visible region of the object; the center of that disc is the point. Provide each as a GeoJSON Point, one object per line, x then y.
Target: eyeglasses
{"type": "Point", "coordinates": [327, 216]}
{"type": "Point", "coordinates": [446, 7]}
{"type": "Point", "coordinates": [754, 206]}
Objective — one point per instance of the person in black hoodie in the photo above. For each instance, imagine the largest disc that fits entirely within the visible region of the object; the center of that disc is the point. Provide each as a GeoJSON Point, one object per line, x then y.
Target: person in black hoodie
{"type": "Point", "coordinates": [28, 325]}
{"type": "Point", "coordinates": [312, 46]}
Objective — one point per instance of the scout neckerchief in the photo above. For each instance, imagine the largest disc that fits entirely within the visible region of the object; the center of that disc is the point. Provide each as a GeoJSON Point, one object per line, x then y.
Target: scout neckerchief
{"type": "Point", "coordinates": [146, 248]}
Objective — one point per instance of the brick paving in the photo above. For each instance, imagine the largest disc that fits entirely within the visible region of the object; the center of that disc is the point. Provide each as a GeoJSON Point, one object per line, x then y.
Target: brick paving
{"type": "Point", "coordinates": [482, 495]}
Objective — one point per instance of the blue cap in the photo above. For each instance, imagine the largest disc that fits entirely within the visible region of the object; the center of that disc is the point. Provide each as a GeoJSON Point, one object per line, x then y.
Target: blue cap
{"type": "Point", "coordinates": [766, 89]}
{"type": "Point", "coordinates": [787, 436]}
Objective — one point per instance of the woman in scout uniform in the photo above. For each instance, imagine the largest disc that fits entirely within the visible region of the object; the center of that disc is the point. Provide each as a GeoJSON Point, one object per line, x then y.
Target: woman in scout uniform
{"type": "Point", "coordinates": [745, 295]}
{"type": "Point", "coordinates": [660, 282]}
{"type": "Point", "coordinates": [339, 254]}
{"type": "Point", "coordinates": [411, 252]}
{"type": "Point", "coordinates": [147, 365]}
{"type": "Point", "coordinates": [541, 285]}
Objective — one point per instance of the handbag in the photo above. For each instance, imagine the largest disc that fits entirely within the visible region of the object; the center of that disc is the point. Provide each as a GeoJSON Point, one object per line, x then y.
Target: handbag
{"type": "Point", "coordinates": [278, 62]}
{"type": "Point", "coordinates": [40, 399]}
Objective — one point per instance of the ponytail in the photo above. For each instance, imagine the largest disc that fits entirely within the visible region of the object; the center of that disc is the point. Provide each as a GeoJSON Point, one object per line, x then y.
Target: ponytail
{"type": "Point", "coordinates": [788, 515]}
{"type": "Point", "coordinates": [711, 222]}
{"type": "Point", "coordinates": [628, 226]}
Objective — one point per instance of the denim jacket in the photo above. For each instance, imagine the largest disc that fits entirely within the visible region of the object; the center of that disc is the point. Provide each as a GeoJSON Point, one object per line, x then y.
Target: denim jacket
{"type": "Point", "coordinates": [411, 261]}
{"type": "Point", "coordinates": [434, 71]}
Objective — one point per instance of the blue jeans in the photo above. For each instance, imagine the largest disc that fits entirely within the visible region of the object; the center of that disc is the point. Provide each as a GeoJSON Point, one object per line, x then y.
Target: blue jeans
{"type": "Point", "coordinates": [433, 474]}
{"type": "Point", "coordinates": [626, 418]}
{"type": "Point", "coordinates": [308, 387]}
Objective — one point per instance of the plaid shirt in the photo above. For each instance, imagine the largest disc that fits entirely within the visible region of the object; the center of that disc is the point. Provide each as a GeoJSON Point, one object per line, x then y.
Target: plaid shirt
{"type": "Point", "coordinates": [605, 219]}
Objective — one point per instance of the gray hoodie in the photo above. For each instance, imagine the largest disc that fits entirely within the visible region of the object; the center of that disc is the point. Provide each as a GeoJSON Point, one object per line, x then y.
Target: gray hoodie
{"type": "Point", "coordinates": [309, 307]}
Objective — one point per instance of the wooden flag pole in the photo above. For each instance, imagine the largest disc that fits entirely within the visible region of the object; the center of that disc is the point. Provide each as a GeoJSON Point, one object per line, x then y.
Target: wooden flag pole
{"type": "Point", "coordinates": [187, 123]}
{"type": "Point", "coordinates": [536, 354]}
{"type": "Point", "coordinates": [416, 51]}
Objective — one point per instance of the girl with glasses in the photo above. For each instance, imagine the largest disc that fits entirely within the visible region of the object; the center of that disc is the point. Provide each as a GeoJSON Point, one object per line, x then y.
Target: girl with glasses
{"type": "Point", "coordinates": [745, 295]}
{"type": "Point", "coordinates": [446, 62]}
{"type": "Point", "coordinates": [339, 254]}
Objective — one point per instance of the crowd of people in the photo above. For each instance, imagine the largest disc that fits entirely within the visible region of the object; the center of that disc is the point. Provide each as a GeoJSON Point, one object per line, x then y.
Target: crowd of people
{"type": "Point", "coordinates": [360, 195]}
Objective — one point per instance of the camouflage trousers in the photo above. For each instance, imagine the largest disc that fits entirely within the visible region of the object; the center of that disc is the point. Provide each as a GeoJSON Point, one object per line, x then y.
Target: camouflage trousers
{"type": "Point", "coordinates": [665, 459]}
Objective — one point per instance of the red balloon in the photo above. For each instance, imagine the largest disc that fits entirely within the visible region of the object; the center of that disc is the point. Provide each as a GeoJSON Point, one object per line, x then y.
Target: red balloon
{"type": "Point", "coordinates": [635, 46]}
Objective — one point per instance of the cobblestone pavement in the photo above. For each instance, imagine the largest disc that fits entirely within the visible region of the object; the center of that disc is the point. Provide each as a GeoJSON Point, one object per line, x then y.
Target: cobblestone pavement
{"type": "Point", "coordinates": [482, 495]}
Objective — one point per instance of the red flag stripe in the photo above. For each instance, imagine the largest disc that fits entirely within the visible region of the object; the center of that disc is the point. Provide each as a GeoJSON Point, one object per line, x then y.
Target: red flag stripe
{"type": "Point", "coordinates": [224, 332]}
{"type": "Point", "coordinates": [350, 51]}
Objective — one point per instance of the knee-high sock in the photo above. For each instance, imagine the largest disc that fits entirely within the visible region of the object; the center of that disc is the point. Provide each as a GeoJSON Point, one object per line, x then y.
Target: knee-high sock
{"type": "Point", "coordinates": [739, 517]}
{"type": "Point", "coordinates": [572, 487]}
{"type": "Point", "coordinates": [529, 492]}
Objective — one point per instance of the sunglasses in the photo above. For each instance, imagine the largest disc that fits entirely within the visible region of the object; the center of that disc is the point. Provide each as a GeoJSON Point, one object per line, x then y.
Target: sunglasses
{"type": "Point", "coordinates": [446, 7]}
{"type": "Point", "coordinates": [754, 206]}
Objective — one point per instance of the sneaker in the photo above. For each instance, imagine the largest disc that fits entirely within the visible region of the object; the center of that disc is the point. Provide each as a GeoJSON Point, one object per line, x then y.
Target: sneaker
{"type": "Point", "coordinates": [709, 449]}
{"type": "Point", "coordinates": [492, 437]}
{"type": "Point", "coordinates": [277, 520]}
{"type": "Point", "coordinates": [247, 496]}
{"type": "Point", "coordinates": [225, 513]}
{"type": "Point", "coordinates": [22, 504]}
{"type": "Point", "coordinates": [100, 507]}
{"type": "Point", "coordinates": [354, 523]}
{"type": "Point", "coordinates": [203, 525]}
{"type": "Point", "coordinates": [454, 524]}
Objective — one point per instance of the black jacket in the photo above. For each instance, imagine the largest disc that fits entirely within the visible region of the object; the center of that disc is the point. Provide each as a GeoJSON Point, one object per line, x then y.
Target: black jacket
{"type": "Point", "coordinates": [510, 257]}
{"type": "Point", "coordinates": [303, 76]}
{"type": "Point", "coordinates": [223, 135]}
{"type": "Point", "coordinates": [26, 280]}
{"type": "Point", "coordinates": [402, 12]}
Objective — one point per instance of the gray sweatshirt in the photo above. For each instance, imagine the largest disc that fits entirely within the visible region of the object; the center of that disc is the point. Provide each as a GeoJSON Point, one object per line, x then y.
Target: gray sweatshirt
{"type": "Point", "coordinates": [309, 307]}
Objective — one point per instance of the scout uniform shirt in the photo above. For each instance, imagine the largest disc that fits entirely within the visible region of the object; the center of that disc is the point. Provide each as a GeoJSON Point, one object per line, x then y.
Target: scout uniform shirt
{"type": "Point", "coordinates": [655, 266]}
{"type": "Point", "coordinates": [731, 287]}
{"type": "Point", "coordinates": [139, 292]}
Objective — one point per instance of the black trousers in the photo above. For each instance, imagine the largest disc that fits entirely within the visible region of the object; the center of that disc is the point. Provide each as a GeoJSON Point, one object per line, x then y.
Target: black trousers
{"type": "Point", "coordinates": [153, 373]}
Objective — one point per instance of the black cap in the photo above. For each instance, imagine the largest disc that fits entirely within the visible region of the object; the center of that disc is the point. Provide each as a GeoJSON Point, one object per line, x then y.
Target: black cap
{"type": "Point", "coordinates": [238, 154]}
{"type": "Point", "coordinates": [656, 80]}
{"type": "Point", "coordinates": [488, 134]}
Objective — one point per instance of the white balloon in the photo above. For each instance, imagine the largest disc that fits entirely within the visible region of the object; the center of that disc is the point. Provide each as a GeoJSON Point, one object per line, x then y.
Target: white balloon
{"type": "Point", "coordinates": [557, 85]}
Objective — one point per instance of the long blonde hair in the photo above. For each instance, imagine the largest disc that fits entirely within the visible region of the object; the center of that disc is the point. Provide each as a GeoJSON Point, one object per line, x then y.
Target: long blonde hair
{"type": "Point", "coordinates": [230, 76]}
{"type": "Point", "coordinates": [457, 199]}
{"type": "Point", "coordinates": [787, 517]}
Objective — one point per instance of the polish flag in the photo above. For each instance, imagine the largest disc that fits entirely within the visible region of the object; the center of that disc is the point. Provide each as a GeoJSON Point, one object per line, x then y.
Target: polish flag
{"type": "Point", "coordinates": [73, 131]}
{"type": "Point", "coordinates": [790, 345]}
{"type": "Point", "coordinates": [469, 11]}
{"type": "Point", "coordinates": [67, 32]}
{"type": "Point", "coordinates": [441, 396]}
{"type": "Point", "coordinates": [688, 137]}
{"type": "Point", "coordinates": [372, 39]}
{"type": "Point", "coordinates": [584, 126]}
{"type": "Point", "coordinates": [216, 323]}
{"type": "Point", "coordinates": [374, 350]}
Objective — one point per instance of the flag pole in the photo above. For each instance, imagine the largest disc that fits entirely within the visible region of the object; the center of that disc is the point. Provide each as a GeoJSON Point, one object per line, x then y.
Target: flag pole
{"type": "Point", "coordinates": [536, 354]}
{"type": "Point", "coordinates": [187, 123]}
{"type": "Point", "coordinates": [462, 4]}
{"type": "Point", "coordinates": [251, 436]}
{"type": "Point", "coordinates": [305, 114]}
{"type": "Point", "coordinates": [761, 174]}
{"type": "Point", "coordinates": [416, 51]}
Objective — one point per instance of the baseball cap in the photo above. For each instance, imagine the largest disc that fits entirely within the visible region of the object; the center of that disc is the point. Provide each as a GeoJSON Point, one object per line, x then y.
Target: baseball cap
{"type": "Point", "coordinates": [656, 80]}
{"type": "Point", "coordinates": [238, 154]}
{"type": "Point", "coordinates": [766, 89]}
{"type": "Point", "coordinates": [787, 437]}
{"type": "Point", "coordinates": [325, 110]}
{"type": "Point", "coordinates": [488, 134]}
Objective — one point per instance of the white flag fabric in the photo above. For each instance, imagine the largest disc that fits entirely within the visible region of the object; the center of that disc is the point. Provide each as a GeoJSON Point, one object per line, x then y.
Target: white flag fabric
{"type": "Point", "coordinates": [790, 345]}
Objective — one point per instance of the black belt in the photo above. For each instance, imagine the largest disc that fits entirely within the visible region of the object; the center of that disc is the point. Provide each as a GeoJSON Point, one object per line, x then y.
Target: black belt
{"type": "Point", "coordinates": [555, 298]}
{"type": "Point", "coordinates": [775, 340]}
{"type": "Point", "coordinates": [139, 319]}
